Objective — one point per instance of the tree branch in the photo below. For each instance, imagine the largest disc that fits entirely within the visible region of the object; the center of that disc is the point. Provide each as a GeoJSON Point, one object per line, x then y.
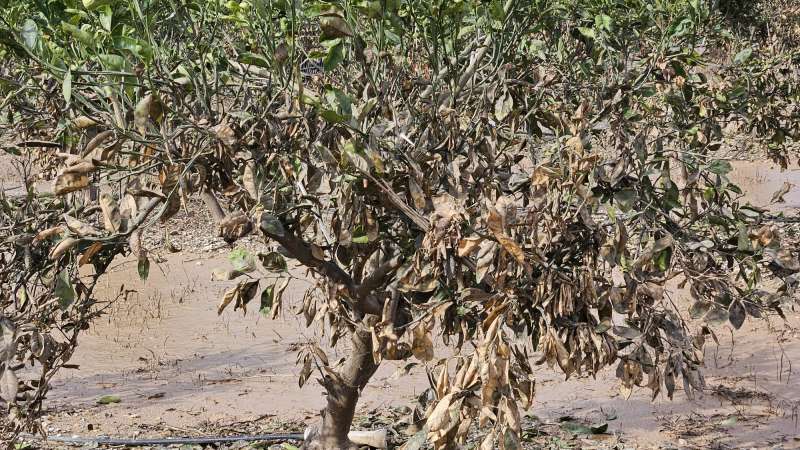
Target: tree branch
{"type": "Point", "coordinates": [378, 277]}
{"type": "Point", "coordinates": [213, 205]}
{"type": "Point", "coordinates": [301, 251]}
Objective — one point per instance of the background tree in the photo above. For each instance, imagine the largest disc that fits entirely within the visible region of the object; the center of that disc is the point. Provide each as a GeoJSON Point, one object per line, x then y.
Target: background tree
{"type": "Point", "coordinates": [517, 177]}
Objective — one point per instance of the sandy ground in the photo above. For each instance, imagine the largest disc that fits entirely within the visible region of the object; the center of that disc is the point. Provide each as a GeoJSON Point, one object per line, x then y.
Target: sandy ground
{"type": "Point", "coordinates": [179, 368]}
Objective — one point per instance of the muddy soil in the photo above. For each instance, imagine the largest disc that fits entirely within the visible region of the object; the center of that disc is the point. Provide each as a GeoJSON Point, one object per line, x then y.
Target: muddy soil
{"type": "Point", "coordinates": [180, 369]}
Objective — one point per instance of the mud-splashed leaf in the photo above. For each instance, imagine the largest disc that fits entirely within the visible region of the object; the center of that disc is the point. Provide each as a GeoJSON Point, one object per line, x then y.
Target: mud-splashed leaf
{"type": "Point", "coordinates": [699, 309]}
{"type": "Point", "coordinates": [716, 316]}
{"type": "Point", "coordinates": [417, 441]}
{"type": "Point", "coordinates": [736, 314]}
{"type": "Point", "coordinates": [273, 261]}
{"type": "Point", "coordinates": [234, 227]}
{"type": "Point", "coordinates": [30, 34]}
{"type": "Point", "coordinates": [579, 428]}
{"type": "Point", "coordinates": [626, 332]}
{"type": "Point", "coordinates": [143, 268]}
{"type": "Point", "coordinates": [625, 199]}
{"type": "Point", "coordinates": [511, 440]}
{"type": "Point", "coordinates": [272, 225]}
{"type": "Point", "coordinates": [720, 167]}
{"type": "Point", "coordinates": [730, 422]}
{"type": "Point", "coordinates": [334, 26]}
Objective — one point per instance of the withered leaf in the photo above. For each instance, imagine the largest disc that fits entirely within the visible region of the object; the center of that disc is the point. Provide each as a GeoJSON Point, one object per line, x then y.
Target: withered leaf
{"type": "Point", "coordinates": [9, 386]}
{"type": "Point", "coordinates": [89, 253]}
{"type": "Point", "coordinates": [70, 182]}
{"type": "Point", "coordinates": [62, 247]}
{"type": "Point", "coordinates": [777, 196]}
{"type": "Point", "coordinates": [80, 228]}
{"type": "Point", "coordinates": [422, 345]}
{"type": "Point", "coordinates": [112, 219]}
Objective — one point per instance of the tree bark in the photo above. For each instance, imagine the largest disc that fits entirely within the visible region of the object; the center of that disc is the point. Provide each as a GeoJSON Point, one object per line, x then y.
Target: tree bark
{"type": "Point", "coordinates": [343, 391]}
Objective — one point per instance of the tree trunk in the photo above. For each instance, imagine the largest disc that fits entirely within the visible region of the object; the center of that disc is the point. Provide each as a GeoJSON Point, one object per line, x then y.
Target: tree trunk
{"type": "Point", "coordinates": [343, 390]}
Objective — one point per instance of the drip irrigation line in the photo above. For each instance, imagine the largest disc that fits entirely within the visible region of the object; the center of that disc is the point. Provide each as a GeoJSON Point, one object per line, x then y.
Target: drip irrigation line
{"type": "Point", "coordinates": [276, 437]}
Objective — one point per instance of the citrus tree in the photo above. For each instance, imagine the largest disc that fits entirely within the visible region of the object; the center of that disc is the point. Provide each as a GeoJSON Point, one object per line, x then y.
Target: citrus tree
{"type": "Point", "coordinates": [521, 178]}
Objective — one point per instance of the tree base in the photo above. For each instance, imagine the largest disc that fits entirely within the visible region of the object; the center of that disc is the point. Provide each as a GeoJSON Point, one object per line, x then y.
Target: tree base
{"type": "Point", "coordinates": [315, 441]}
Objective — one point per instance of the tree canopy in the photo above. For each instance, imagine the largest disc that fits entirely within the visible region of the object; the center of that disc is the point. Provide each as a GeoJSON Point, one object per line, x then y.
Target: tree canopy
{"type": "Point", "coordinates": [518, 177]}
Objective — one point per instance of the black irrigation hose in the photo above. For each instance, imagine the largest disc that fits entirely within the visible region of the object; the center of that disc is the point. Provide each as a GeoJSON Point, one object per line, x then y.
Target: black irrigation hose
{"type": "Point", "coordinates": [277, 437]}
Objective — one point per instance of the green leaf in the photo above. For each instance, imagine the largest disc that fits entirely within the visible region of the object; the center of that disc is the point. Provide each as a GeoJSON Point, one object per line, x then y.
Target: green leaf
{"type": "Point", "coordinates": [242, 260]}
{"type": "Point", "coordinates": [82, 35]}
{"type": "Point", "coordinates": [363, 239]}
{"type": "Point", "coordinates": [108, 399]}
{"type": "Point", "coordinates": [67, 86]}
{"type": "Point", "coordinates": [143, 268]}
{"type": "Point", "coordinates": [588, 32]}
{"type": "Point", "coordinates": [64, 290]}
{"type": "Point", "coordinates": [30, 33]}
{"type": "Point", "coordinates": [267, 299]}
{"type": "Point", "coordinates": [94, 4]}
{"type": "Point", "coordinates": [254, 59]}
{"type": "Point", "coordinates": [112, 62]}
{"type": "Point", "coordinates": [671, 195]}
{"type": "Point", "coordinates": [334, 57]}
{"type": "Point", "coordinates": [105, 17]}
{"type": "Point", "coordinates": [662, 259]}
{"type": "Point", "coordinates": [135, 46]}
{"type": "Point", "coordinates": [604, 21]}
{"type": "Point", "coordinates": [743, 56]}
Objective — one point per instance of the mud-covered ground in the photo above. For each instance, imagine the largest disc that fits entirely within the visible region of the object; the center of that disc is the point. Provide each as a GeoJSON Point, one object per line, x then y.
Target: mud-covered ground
{"type": "Point", "coordinates": [179, 369]}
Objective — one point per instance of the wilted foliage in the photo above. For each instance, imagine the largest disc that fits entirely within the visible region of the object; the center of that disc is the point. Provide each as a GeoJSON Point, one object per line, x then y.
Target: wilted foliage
{"type": "Point", "coordinates": [517, 177]}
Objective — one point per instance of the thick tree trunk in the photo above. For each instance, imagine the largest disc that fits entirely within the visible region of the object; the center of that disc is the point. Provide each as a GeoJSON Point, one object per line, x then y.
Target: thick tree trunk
{"type": "Point", "coordinates": [343, 390]}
